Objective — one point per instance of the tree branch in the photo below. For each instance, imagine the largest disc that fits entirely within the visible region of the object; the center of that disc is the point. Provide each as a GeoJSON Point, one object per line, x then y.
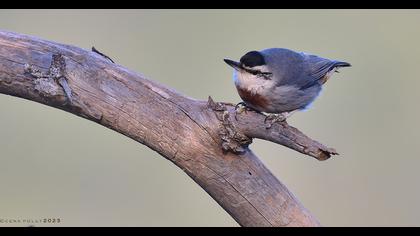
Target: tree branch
{"type": "Point", "coordinates": [201, 137]}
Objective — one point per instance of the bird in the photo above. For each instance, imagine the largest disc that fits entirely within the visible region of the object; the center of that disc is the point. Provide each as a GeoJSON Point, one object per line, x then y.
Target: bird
{"type": "Point", "coordinates": [279, 81]}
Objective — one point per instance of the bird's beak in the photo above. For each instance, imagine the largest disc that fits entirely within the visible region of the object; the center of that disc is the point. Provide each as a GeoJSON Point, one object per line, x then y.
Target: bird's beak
{"type": "Point", "coordinates": [234, 64]}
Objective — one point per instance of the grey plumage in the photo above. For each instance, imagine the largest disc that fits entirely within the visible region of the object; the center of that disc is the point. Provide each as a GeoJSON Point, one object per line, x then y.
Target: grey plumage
{"type": "Point", "coordinates": [295, 78]}
{"type": "Point", "coordinates": [298, 68]}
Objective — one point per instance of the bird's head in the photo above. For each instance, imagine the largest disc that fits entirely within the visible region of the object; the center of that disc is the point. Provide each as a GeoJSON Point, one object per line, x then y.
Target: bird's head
{"type": "Point", "coordinates": [252, 64]}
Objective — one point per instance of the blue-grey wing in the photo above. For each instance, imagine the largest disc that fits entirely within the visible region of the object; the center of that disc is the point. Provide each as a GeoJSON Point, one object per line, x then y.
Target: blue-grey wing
{"type": "Point", "coordinates": [287, 66]}
{"type": "Point", "coordinates": [316, 68]}
{"type": "Point", "coordinates": [298, 69]}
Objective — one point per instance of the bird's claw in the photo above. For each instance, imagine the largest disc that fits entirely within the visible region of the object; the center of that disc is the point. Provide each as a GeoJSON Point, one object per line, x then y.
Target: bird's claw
{"type": "Point", "coordinates": [241, 107]}
{"type": "Point", "coordinates": [240, 104]}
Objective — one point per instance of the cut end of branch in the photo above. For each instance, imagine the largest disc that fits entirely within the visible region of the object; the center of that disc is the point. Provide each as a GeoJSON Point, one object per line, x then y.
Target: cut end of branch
{"type": "Point", "coordinates": [326, 154]}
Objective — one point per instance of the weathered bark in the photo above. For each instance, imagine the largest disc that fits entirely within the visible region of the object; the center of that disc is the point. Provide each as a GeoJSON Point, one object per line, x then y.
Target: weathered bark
{"type": "Point", "coordinates": [201, 137]}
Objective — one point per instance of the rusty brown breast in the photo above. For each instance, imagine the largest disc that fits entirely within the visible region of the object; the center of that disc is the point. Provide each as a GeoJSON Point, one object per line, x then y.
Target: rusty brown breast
{"type": "Point", "coordinates": [255, 100]}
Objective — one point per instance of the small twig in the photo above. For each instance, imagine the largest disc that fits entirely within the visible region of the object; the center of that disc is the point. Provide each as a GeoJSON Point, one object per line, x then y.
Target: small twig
{"type": "Point", "coordinates": [100, 53]}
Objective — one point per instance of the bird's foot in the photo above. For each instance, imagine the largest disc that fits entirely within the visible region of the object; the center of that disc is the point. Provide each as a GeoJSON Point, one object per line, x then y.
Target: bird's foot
{"type": "Point", "coordinates": [275, 118]}
{"type": "Point", "coordinates": [241, 107]}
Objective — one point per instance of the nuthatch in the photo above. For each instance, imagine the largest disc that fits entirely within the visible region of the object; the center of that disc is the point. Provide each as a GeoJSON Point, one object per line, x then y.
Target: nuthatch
{"type": "Point", "coordinates": [280, 81]}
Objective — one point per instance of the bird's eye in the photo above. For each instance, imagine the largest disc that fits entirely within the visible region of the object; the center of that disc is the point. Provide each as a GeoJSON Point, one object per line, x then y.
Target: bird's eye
{"type": "Point", "coordinates": [258, 73]}
{"type": "Point", "coordinates": [266, 75]}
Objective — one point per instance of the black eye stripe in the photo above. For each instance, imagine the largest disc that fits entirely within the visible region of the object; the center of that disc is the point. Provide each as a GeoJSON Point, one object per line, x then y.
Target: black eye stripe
{"type": "Point", "coordinates": [265, 75]}
{"type": "Point", "coordinates": [257, 72]}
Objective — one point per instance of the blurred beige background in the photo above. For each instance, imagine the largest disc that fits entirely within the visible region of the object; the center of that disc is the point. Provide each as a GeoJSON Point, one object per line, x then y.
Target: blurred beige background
{"type": "Point", "coordinates": [57, 165]}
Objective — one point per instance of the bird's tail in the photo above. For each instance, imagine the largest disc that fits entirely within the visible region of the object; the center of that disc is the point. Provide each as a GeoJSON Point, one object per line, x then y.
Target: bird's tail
{"type": "Point", "coordinates": [341, 64]}
{"type": "Point", "coordinates": [337, 64]}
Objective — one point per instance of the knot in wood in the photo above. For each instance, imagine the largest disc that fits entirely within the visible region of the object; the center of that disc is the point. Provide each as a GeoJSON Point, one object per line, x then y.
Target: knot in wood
{"type": "Point", "coordinates": [57, 67]}
{"type": "Point", "coordinates": [232, 138]}
{"type": "Point", "coordinates": [45, 83]}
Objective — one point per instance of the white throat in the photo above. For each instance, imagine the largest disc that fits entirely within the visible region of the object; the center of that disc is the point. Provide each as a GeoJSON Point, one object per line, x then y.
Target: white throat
{"type": "Point", "coordinates": [253, 83]}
